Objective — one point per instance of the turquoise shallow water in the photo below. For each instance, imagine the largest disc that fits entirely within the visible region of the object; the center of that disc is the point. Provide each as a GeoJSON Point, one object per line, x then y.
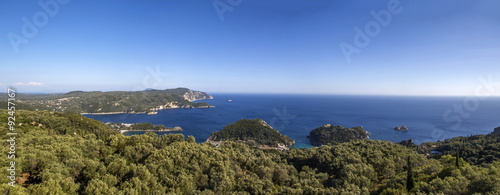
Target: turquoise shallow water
{"type": "Point", "coordinates": [429, 118]}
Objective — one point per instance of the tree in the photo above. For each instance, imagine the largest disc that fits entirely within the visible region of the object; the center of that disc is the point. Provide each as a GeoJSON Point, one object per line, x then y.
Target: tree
{"type": "Point", "coordinates": [191, 139]}
{"type": "Point", "coordinates": [410, 183]}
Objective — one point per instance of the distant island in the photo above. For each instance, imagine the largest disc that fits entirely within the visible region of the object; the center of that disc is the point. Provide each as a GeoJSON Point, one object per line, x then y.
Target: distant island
{"type": "Point", "coordinates": [126, 127]}
{"type": "Point", "coordinates": [402, 128]}
{"type": "Point", "coordinates": [253, 132]}
{"type": "Point", "coordinates": [114, 102]}
{"type": "Point", "coordinates": [330, 134]}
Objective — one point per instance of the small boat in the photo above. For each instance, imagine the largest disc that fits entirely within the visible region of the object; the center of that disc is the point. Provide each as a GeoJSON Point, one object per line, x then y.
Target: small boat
{"type": "Point", "coordinates": [229, 100]}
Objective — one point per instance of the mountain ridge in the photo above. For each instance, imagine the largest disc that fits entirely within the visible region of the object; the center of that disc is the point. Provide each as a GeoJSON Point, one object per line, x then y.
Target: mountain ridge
{"type": "Point", "coordinates": [98, 102]}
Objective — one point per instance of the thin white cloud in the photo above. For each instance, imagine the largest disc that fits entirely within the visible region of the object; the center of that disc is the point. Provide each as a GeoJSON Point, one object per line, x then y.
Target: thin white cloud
{"type": "Point", "coordinates": [30, 84]}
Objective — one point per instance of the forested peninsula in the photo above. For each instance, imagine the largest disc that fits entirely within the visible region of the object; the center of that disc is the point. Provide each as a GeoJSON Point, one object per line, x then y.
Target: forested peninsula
{"type": "Point", "coordinates": [113, 102]}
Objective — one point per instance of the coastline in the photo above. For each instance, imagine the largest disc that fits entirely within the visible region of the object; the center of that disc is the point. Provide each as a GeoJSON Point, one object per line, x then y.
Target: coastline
{"type": "Point", "coordinates": [145, 112]}
{"type": "Point", "coordinates": [105, 113]}
{"type": "Point", "coordinates": [174, 129]}
{"type": "Point", "coordinates": [298, 115]}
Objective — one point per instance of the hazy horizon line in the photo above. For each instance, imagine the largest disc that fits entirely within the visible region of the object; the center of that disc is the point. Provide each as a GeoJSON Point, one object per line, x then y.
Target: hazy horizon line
{"type": "Point", "coordinates": [272, 93]}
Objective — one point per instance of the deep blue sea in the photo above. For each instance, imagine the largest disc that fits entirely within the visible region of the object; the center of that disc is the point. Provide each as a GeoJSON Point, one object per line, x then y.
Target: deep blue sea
{"type": "Point", "coordinates": [428, 118]}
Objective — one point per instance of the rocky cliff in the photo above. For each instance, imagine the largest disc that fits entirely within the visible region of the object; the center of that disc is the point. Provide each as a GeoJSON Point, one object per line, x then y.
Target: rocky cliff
{"type": "Point", "coordinates": [196, 95]}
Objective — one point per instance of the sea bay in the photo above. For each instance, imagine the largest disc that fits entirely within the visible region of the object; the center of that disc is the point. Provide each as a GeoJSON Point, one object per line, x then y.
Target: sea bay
{"type": "Point", "coordinates": [429, 118]}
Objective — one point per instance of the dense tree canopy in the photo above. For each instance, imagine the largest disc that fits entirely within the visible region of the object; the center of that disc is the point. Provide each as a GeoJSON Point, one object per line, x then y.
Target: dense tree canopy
{"type": "Point", "coordinates": [251, 130]}
{"type": "Point", "coordinates": [69, 154]}
{"type": "Point", "coordinates": [331, 134]}
{"type": "Point", "coordinates": [476, 149]}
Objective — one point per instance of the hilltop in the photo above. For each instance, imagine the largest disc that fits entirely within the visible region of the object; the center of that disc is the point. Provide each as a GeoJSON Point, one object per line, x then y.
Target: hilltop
{"type": "Point", "coordinates": [114, 101]}
{"type": "Point", "coordinates": [330, 134]}
{"type": "Point", "coordinates": [251, 131]}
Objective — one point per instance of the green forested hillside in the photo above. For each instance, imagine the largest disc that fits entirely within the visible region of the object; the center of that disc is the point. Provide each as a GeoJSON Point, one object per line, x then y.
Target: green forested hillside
{"type": "Point", "coordinates": [256, 130]}
{"type": "Point", "coordinates": [115, 101]}
{"type": "Point", "coordinates": [331, 134]}
{"type": "Point", "coordinates": [54, 122]}
{"type": "Point", "coordinates": [476, 149]}
{"type": "Point", "coordinates": [76, 155]}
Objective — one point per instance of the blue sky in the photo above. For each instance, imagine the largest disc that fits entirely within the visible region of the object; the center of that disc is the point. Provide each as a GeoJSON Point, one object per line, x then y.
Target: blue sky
{"type": "Point", "coordinates": [439, 47]}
